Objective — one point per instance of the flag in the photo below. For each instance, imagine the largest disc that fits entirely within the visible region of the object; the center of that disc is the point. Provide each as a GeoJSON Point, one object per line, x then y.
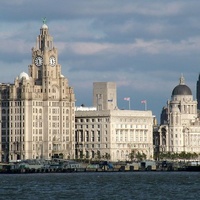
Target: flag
{"type": "Point", "coordinates": [143, 101]}
{"type": "Point", "coordinates": [110, 100]}
{"type": "Point", "coordinates": [127, 98]}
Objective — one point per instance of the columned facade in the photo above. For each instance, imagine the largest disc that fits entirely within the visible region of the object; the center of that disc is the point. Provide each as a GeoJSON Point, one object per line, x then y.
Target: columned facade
{"type": "Point", "coordinates": [181, 130]}
{"type": "Point", "coordinates": [113, 134]}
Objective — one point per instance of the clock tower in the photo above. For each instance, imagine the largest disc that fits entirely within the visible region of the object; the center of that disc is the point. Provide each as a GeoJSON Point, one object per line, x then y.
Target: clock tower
{"type": "Point", "coordinates": [41, 121]}
{"type": "Point", "coordinates": [45, 69]}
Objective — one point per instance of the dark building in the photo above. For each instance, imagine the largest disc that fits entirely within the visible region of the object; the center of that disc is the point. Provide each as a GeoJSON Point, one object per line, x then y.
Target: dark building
{"type": "Point", "coordinates": [164, 116]}
{"type": "Point", "coordinates": [198, 93]}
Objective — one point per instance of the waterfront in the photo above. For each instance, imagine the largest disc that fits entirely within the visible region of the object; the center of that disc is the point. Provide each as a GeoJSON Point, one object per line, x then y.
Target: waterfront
{"type": "Point", "coordinates": [101, 186]}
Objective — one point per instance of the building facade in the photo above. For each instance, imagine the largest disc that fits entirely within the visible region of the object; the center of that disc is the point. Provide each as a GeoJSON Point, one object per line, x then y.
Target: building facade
{"type": "Point", "coordinates": [111, 133]}
{"type": "Point", "coordinates": [37, 110]}
{"type": "Point", "coordinates": [180, 131]}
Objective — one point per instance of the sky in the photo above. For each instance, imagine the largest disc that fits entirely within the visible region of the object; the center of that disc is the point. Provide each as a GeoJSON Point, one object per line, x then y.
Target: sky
{"type": "Point", "coordinates": [144, 46]}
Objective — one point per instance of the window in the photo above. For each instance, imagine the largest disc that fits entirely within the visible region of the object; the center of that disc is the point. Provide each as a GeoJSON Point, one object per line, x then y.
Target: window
{"type": "Point", "coordinates": [92, 139]}
{"type": "Point", "coordinates": [98, 136]}
{"type": "Point", "coordinates": [87, 154]}
{"type": "Point", "coordinates": [87, 136]}
{"type": "Point", "coordinates": [92, 154]}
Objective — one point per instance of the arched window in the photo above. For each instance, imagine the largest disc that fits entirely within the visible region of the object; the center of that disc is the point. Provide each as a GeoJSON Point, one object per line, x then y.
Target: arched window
{"type": "Point", "coordinates": [92, 154]}
{"type": "Point", "coordinates": [87, 154]}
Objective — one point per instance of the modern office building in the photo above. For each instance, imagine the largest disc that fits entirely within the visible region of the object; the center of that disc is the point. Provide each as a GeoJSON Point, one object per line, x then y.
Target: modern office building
{"type": "Point", "coordinates": [106, 132]}
{"type": "Point", "coordinates": [180, 130]}
{"type": "Point", "coordinates": [37, 110]}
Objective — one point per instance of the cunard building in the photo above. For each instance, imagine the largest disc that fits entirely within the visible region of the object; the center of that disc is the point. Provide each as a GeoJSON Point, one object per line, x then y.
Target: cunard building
{"type": "Point", "coordinates": [106, 132]}
{"type": "Point", "coordinates": [37, 110]}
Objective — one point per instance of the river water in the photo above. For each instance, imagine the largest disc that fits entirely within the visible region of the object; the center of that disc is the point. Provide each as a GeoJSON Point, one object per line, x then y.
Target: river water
{"type": "Point", "coordinates": [101, 185]}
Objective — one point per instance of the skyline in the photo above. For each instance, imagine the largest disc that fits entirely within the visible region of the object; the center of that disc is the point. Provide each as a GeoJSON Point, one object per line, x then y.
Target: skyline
{"type": "Point", "coordinates": [142, 46]}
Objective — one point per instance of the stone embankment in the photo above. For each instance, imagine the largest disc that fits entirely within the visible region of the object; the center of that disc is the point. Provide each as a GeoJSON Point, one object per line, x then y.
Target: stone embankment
{"type": "Point", "coordinates": [97, 167]}
{"type": "Point", "coordinates": [77, 170]}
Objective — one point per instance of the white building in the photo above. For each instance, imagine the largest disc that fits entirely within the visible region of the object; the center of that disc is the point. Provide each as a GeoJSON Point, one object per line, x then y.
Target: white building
{"type": "Point", "coordinates": [112, 133]}
{"type": "Point", "coordinates": [37, 110]}
{"type": "Point", "coordinates": [181, 130]}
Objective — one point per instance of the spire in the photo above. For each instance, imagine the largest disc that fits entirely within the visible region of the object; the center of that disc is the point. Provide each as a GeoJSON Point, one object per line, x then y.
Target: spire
{"type": "Point", "coordinates": [182, 80]}
{"type": "Point", "coordinates": [44, 40]}
{"type": "Point", "coordinates": [44, 26]}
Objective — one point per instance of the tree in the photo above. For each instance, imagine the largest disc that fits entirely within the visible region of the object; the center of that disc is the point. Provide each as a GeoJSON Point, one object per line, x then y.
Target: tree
{"type": "Point", "coordinates": [140, 156]}
{"type": "Point", "coordinates": [183, 155]}
{"type": "Point", "coordinates": [132, 155]}
{"type": "Point", "coordinates": [98, 155]}
{"type": "Point", "coordinates": [195, 155]}
{"type": "Point", "coordinates": [136, 155]}
{"type": "Point", "coordinates": [144, 156]}
{"type": "Point", "coordinates": [107, 156]}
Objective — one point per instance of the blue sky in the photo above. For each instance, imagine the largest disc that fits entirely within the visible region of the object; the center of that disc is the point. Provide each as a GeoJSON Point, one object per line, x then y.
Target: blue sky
{"type": "Point", "coordinates": [143, 46]}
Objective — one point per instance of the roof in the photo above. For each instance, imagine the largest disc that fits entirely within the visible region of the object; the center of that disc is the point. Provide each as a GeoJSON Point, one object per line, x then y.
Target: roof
{"type": "Point", "coordinates": [181, 89]}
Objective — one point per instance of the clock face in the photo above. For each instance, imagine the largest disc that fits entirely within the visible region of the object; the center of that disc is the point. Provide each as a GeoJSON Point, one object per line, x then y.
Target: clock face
{"type": "Point", "coordinates": [52, 61]}
{"type": "Point", "coordinates": [38, 61]}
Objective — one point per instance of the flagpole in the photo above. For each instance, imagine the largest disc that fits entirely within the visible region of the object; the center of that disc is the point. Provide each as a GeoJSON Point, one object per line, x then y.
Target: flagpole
{"type": "Point", "coordinates": [145, 105]}
{"type": "Point", "coordinates": [129, 101]}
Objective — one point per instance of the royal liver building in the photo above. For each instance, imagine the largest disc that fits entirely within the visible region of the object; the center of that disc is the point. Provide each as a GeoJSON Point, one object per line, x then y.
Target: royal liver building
{"type": "Point", "coordinates": [37, 111]}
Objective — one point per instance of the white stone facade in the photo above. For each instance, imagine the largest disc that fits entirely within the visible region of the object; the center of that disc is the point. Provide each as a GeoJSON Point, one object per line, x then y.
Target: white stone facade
{"type": "Point", "coordinates": [112, 133]}
{"type": "Point", "coordinates": [37, 111]}
{"type": "Point", "coordinates": [181, 132]}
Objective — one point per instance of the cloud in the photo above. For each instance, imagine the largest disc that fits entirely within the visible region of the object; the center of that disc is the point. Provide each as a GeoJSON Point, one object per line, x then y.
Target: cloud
{"type": "Point", "coordinates": [88, 48]}
{"type": "Point", "coordinates": [143, 46]}
{"type": "Point", "coordinates": [139, 46]}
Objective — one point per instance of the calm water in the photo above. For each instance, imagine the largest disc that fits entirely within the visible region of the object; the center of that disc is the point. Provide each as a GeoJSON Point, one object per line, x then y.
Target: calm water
{"type": "Point", "coordinates": [118, 185]}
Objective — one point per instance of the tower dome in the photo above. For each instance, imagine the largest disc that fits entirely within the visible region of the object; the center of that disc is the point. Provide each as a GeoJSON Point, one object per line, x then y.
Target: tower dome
{"type": "Point", "coordinates": [44, 26]}
{"type": "Point", "coordinates": [23, 75]}
{"type": "Point", "coordinates": [181, 89]}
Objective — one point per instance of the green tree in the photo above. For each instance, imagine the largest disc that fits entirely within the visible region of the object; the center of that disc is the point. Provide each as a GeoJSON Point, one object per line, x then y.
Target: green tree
{"type": "Point", "coordinates": [183, 155]}
{"type": "Point", "coordinates": [144, 156]}
{"type": "Point", "coordinates": [132, 155]}
{"type": "Point", "coordinates": [107, 156]}
{"type": "Point", "coordinates": [98, 155]}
